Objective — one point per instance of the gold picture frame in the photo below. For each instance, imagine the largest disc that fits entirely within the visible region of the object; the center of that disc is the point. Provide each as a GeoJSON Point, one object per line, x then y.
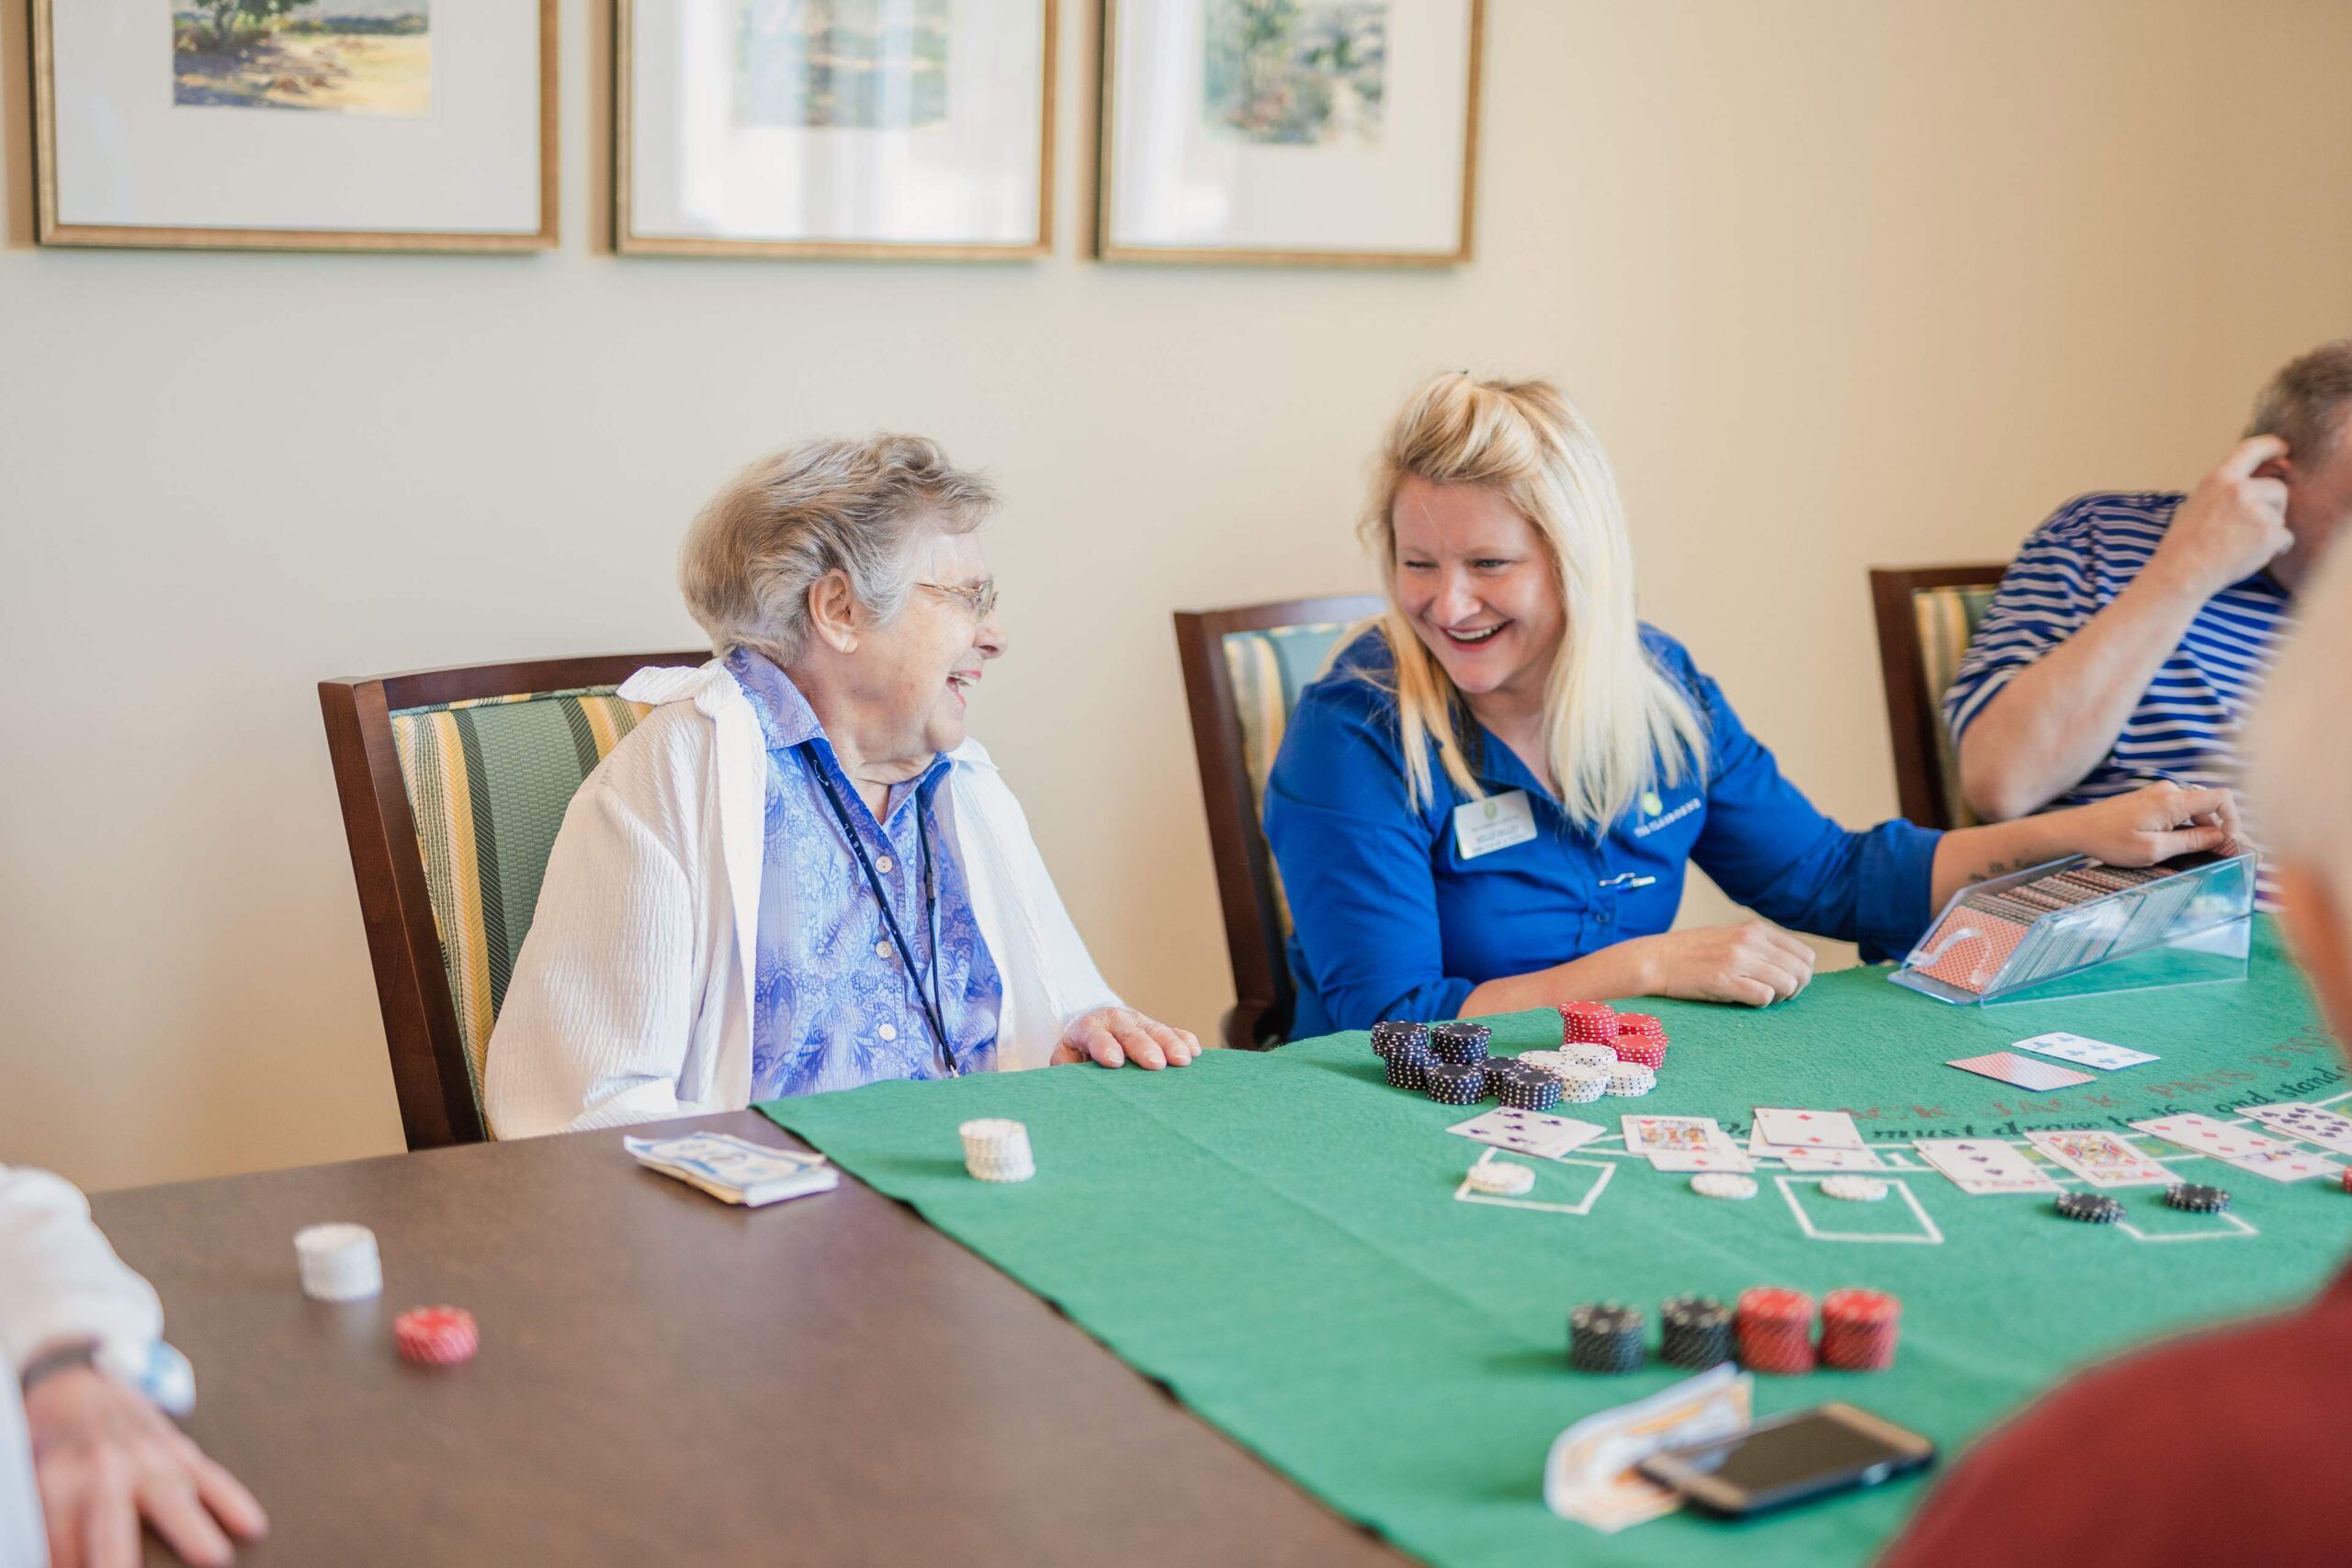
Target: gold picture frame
{"type": "Point", "coordinates": [50, 229]}
{"type": "Point", "coordinates": [627, 241]}
{"type": "Point", "coordinates": [1108, 248]}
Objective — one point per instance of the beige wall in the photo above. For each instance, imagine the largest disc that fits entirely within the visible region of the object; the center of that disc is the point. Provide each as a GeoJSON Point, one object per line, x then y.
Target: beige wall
{"type": "Point", "coordinates": [1842, 283]}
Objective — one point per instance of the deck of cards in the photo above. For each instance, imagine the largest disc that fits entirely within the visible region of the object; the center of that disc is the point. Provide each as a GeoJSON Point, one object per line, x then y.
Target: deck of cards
{"type": "Point", "coordinates": [736, 1168]}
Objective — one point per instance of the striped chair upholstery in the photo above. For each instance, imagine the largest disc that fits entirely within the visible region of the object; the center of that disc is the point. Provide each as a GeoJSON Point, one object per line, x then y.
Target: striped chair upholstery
{"type": "Point", "coordinates": [1948, 620]}
{"type": "Point", "coordinates": [488, 781]}
{"type": "Point", "coordinates": [1269, 669]}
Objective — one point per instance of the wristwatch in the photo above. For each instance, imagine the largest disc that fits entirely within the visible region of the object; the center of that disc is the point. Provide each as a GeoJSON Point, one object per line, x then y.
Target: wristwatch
{"type": "Point", "coordinates": [58, 1359]}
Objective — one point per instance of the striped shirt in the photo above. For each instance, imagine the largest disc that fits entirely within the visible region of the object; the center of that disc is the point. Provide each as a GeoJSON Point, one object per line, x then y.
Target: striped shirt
{"type": "Point", "coordinates": [2185, 728]}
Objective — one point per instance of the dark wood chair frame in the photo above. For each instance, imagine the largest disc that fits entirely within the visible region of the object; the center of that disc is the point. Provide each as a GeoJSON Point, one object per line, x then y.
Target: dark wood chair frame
{"type": "Point", "coordinates": [1244, 878]}
{"type": "Point", "coordinates": [403, 942]}
{"type": "Point", "coordinates": [1912, 714]}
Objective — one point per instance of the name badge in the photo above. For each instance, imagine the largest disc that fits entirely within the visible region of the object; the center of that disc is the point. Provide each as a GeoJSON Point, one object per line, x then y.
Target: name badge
{"type": "Point", "coordinates": [1495, 823]}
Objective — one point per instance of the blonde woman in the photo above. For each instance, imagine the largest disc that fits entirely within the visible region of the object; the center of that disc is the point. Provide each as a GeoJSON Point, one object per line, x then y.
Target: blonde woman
{"type": "Point", "coordinates": [1489, 801]}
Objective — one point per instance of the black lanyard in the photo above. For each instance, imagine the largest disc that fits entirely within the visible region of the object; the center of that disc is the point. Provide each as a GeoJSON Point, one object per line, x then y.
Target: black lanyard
{"type": "Point", "coordinates": [933, 1013]}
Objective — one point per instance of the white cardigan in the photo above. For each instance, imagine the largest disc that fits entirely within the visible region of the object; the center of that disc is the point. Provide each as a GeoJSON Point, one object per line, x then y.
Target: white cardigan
{"type": "Point", "coordinates": [631, 1000]}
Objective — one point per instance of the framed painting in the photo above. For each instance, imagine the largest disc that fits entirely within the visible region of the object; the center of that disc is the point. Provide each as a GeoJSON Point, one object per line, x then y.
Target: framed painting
{"type": "Point", "coordinates": [331, 125]}
{"type": "Point", "coordinates": [1289, 132]}
{"type": "Point", "coordinates": [860, 129]}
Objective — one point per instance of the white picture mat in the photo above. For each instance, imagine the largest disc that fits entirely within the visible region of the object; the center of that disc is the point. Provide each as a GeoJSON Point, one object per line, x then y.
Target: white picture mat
{"type": "Point", "coordinates": [128, 156]}
{"type": "Point", "coordinates": [1176, 184]}
{"type": "Point", "coordinates": [974, 179]}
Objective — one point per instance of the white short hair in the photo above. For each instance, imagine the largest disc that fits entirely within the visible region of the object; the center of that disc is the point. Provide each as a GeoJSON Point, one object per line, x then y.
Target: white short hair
{"type": "Point", "coordinates": [2299, 745]}
{"type": "Point", "coordinates": [825, 505]}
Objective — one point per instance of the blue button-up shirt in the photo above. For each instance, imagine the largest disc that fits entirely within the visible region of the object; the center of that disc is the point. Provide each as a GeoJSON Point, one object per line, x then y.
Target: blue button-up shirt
{"type": "Point", "coordinates": [1391, 920]}
{"type": "Point", "coordinates": [833, 1005]}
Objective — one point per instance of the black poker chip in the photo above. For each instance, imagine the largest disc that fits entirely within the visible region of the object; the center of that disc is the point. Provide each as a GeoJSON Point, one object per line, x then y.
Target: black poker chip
{"type": "Point", "coordinates": [1460, 1041]}
{"type": "Point", "coordinates": [1528, 1089]}
{"type": "Point", "coordinates": [1387, 1036]}
{"type": "Point", "coordinates": [2091, 1208]}
{"type": "Point", "coordinates": [1408, 1066]}
{"type": "Point", "coordinates": [2196, 1199]}
{"type": "Point", "coordinates": [1695, 1332]}
{"type": "Point", "coordinates": [1605, 1336]}
{"type": "Point", "coordinates": [1455, 1083]}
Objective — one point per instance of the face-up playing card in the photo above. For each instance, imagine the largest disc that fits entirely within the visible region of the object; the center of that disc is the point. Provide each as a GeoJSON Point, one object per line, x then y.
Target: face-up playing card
{"type": "Point", "coordinates": [1530, 1131]}
{"type": "Point", "coordinates": [2022, 1071]}
{"type": "Point", "coordinates": [2238, 1146]}
{"type": "Point", "coordinates": [2101, 1159]}
{"type": "Point", "coordinates": [1980, 1166]}
{"type": "Point", "coordinates": [1683, 1143]}
{"type": "Point", "coordinates": [2081, 1049]}
{"type": "Point", "coordinates": [2311, 1124]}
{"type": "Point", "coordinates": [1808, 1129]}
{"type": "Point", "coordinates": [1813, 1160]}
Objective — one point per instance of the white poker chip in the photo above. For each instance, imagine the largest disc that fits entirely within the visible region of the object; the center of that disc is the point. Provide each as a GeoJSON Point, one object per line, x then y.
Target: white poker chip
{"type": "Point", "coordinates": [338, 1262]}
{"type": "Point", "coordinates": [1553, 1062]}
{"type": "Point", "coordinates": [1502, 1178]}
{"type": "Point", "coordinates": [1599, 1057]}
{"type": "Point", "coordinates": [997, 1149]}
{"type": "Point", "coordinates": [1632, 1080]}
{"type": "Point", "coordinates": [1581, 1088]}
{"type": "Point", "coordinates": [1854, 1189]}
{"type": "Point", "coordinates": [1723, 1184]}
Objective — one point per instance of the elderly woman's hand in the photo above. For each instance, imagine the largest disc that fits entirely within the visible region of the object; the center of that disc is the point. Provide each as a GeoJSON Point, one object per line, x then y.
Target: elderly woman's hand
{"type": "Point", "coordinates": [1115, 1035]}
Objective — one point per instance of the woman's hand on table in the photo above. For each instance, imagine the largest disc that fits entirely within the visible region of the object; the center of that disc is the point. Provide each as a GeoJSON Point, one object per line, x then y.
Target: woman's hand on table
{"type": "Point", "coordinates": [1114, 1036]}
{"type": "Point", "coordinates": [106, 1458]}
{"type": "Point", "coordinates": [1750, 962]}
{"type": "Point", "coordinates": [2155, 824]}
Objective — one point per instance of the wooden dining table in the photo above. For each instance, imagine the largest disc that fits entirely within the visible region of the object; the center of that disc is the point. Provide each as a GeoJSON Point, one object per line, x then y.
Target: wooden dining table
{"type": "Point", "coordinates": [664, 1377]}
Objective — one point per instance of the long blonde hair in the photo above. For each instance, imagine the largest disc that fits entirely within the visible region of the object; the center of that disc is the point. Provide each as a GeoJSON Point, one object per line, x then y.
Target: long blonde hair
{"type": "Point", "coordinates": [1615, 725]}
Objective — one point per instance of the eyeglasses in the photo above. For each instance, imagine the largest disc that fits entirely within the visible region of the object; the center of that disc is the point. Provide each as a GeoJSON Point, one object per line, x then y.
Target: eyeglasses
{"type": "Point", "coordinates": [978, 598]}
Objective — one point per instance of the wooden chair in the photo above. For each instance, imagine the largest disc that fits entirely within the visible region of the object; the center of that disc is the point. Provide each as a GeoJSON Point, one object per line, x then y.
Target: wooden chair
{"type": "Point", "coordinates": [453, 783]}
{"type": "Point", "coordinates": [1925, 617]}
{"type": "Point", "coordinates": [1243, 669]}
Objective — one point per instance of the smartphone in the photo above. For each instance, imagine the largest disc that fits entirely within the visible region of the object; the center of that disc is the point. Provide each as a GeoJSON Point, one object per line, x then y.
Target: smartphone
{"type": "Point", "coordinates": [1807, 1453]}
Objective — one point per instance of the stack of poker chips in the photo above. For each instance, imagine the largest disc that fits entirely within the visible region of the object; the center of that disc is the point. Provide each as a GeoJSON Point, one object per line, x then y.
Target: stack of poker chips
{"type": "Point", "coordinates": [1460, 1042]}
{"type": "Point", "coordinates": [1695, 1332]}
{"type": "Point", "coordinates": [1406, 1048]}
{"type": "Point", "coordinates": [1455, 1083]}
{"type": "Point", "coordinates": [1641, 1038]}
{"type": "Point", "coordinates": [2197, 1200]}
{"type": "Point", "coordinates": [338, 1263]}
{"type": "Point", "coordinates": [997, 1149]}
{"type": "Point", "coordinates": [1587, 1023]}
{"type": "Point", "coordinates": [1502, 1178]}
{"type": "Point", "coordinates": [1774, 1326]}
{"type": "Point", "coordinates": [1605, 1336]}
{"type": "Point", "coordinates": [1632, 1080]}
{"type": "Point", "coordinates": [1522, 1086]}
{"type": "Point", "coordinates": [1859, 1329]}
{"type": "Point", "coordinates": [437, 1337]}
{"type": "Point", "coordinates": [2091, 1208]}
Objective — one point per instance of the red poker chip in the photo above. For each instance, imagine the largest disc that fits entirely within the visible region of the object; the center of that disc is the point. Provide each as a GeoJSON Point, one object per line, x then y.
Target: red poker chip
{"type": "Point", "coordinates": [1641, 1049]}
{"type": "Point", "coordinates": [2347, 1178]}
{"type": "Point", "coordinates": [436, 1335]}
{"type": "Point", "coordinates": [1775, 1303]}
{"type": "Point", "coordinates": [1587, 1023]}
{"type": "Point", "coordinates": [1854, 1304]}
{"type": "Point", "coordinates": [1640, 1024]}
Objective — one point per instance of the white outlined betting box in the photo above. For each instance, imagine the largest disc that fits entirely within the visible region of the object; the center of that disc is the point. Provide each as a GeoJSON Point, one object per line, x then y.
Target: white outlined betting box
{"type": "Point", "coordinates": [1919, 1228]}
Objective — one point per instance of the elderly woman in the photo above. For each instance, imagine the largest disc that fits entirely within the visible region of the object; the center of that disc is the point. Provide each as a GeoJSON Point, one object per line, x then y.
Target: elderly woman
{"type": "Point", "coordinates": [797, 873]}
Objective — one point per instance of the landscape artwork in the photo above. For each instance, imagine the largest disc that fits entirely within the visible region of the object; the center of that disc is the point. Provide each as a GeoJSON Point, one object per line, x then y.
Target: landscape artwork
{"type": "Point", "coordinates": [841, 64]}
{"type": "Point", "coordinates": [363, 57]}
{"type": "Point", "coordinates": [1299, 73]}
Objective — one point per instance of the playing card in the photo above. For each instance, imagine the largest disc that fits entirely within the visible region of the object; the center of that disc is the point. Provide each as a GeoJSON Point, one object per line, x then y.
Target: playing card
{"type": "Point", "coordinates": [1981, 1167]}
{"type": "Point", "coordinates": [2101, 1159]}
{"type": "Point", "coordinates": [1683, 1143]}
{"type": "Point", "coordinates": [1528, 1131]}
{"type": "Point", "coordinates": [2239, 1147]}
{"type": "Point", "coordinates": [1813, 1160]}
{"type": "Point", "coordinates": [2081, 1049]}
{"type": "Point", "coordinates": [2022, 1071]}
{"type": "Point", "coordinates": [2311, 1124]}
{"type": "Point", "coordinates": [1808, 1129]}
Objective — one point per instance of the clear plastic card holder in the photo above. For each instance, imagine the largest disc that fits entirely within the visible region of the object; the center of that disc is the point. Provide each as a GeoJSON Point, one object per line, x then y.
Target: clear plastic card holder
{"type": "Point", "coordinates": [2078, 927]}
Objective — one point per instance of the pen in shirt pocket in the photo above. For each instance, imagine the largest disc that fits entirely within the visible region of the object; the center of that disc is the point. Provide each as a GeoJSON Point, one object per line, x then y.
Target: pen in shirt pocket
{"type": "Point", "coordinates": [1626, 882]}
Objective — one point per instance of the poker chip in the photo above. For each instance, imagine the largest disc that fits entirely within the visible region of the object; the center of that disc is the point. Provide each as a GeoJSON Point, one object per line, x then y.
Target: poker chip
{"type": "Point", "coordinates": [1502, 1178]}
{"type": "Point", "coordinates": [1454, 1083]}
{"type": "Point", "coordinates": [338, 1262]}
{"type": "Point", "coordinates": [1854, 1189]}
{"type": "Point", "coordinates": [1605, 1336]}
{"type": "Point", "coordinates": [1599, 1057]}
{"type": "Point", "coordinates": [1587, 1023]}
{"type": "Point", "coordinates": [1529, 1088]}
{"type": "Point", "coordinates": [1859, 1329]}
{"type": "Point", "coordinates": [1631, 1080]}
{"type": "Point", "coordinates": [1723, 1184]}
{"type": "Point", "coordinates": [1774, 1328]}
{"type": "Point", "coordinates": [1642, 1051]}
{"type": "Point", "coordinates": [1694, 1332]}
{"type": "Point", "coordinates": [1642, 1024]}
{"type": "Point", "coordinates": [2344, 1180]}
{"type": "Point", "coordinates": [436, 1335]}
{"type": "Point", "coordinates": [1460, 1042]}
{"type": "Point", "coordinates": [997, 1149]}
{"type": "Point", "coordinates": [2197, 1200]}
{"type": "Point", "coordinates": [1387, 1037]}
{"type": "Point", "coordinates": [1583, 1088]}
{"type": "Point", "coordinates": [1553, 1062]}
{"type": "Point", "coordinates": [2091, 1208]}
{"type": "Point", "coordinates": [1406, 1064]}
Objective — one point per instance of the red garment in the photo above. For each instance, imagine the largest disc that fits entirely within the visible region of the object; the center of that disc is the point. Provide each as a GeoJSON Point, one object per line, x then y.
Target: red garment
{"type": "Point", "coordinates": [2223, 1448]}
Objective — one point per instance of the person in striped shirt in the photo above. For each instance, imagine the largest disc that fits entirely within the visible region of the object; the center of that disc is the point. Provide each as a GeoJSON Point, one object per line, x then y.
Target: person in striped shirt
{"type": "Point", "coordinates": [2127, 640]}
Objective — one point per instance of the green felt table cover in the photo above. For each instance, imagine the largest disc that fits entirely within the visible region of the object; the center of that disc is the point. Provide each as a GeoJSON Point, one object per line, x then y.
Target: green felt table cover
{"type": "Point", "coordinates": [1275, 1238]}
